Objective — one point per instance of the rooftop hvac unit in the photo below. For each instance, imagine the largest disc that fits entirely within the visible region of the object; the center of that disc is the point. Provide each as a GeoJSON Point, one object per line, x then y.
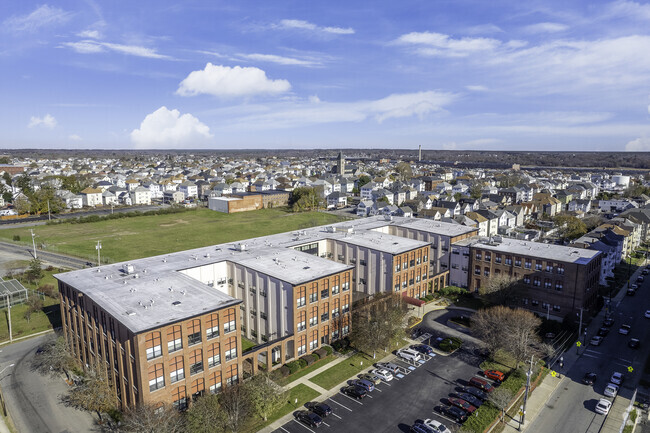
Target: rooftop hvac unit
{"type": "Point", "coordinates": [129, 269]}
{"type": "Point", "coordinates": [241, 247]}
{"type": "Point", "coordinates": [388, 217]}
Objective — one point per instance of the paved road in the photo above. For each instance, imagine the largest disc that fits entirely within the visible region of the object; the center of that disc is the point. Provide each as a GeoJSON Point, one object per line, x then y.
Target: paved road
{"type": "Point", "coordinates": [55, 259]}
{"type": "Point", "coordinates": [571, 407]}
{"type": "Point", "coordinates": [42, 219]}
{"type": "Point", "coordinates": [33, 400]}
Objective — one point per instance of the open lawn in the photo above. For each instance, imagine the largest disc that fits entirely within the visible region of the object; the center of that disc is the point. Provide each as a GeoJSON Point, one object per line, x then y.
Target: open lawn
{"type": "Point", "coordinates": [301, 392]}
{"type": "Point", "coordinates": [284, 381]}
{"type": "Point", "coordinates": [343, 370]}
{"type": "Point", "coordinates": [144, 236]}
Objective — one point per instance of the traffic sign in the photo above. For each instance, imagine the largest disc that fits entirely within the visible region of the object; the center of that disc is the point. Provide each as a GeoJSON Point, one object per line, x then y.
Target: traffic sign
{"type": "Point", "coordinates": [630, 369]}
{"type": "Point", "coordinates": [578, 343]}
{"type": "Point", "coordinates": [553, 373]}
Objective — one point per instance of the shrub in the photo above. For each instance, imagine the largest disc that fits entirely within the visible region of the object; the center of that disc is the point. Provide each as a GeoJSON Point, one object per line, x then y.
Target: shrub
{"type": "Point", "coordinates": [285, 371]}
{"type": "Point", "coordinates": [16, 238]}
{"type": "Point", "coordinates": [450, 344]}
{"type": "Point", "coordinates": [328, 349]}
{"type": "Point", "coordinates": [293, 366]}
{"type": "Point", "coordinates": [50, 268]}
{"type": "Point", "coordinates": [48, 290]}
{"type": "Point", "coordinates": [322, 352]}
{"type": "Point", "coordinates": [309, 359]}
{"type": "Point", "coordinates": [302, 363]}
{"type": "Point", "coordinates": [413, 320]}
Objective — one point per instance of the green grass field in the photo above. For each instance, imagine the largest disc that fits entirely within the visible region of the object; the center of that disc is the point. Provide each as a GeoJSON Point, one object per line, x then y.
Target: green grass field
{"type": "Point", "coordinates": [331, 377]}
{"type": "Point", "coordinates": [301, 392]}
{"type": "Point", "coordinates": [144, 236]}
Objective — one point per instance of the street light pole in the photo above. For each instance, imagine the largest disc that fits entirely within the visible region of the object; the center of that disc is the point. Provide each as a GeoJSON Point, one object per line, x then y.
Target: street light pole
{"type": "Point", "coordinates": [33, 241]}
{"type": "Point", "coordinates": [98, 247]}
{"type": "Point", "coordinates": [528, 375]}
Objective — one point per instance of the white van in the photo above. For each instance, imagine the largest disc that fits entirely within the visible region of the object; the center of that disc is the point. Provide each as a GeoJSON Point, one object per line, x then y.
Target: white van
{"type": "Point", "coordinates": [409, 354]}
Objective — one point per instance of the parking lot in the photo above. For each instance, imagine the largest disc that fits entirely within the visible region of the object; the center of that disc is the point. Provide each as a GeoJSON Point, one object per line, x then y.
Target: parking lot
{"type": "Point", "coordinates": [395, 405]}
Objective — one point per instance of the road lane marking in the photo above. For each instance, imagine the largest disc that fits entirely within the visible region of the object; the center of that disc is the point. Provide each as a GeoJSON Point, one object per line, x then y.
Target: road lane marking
{"type": "Point", "coordinates": [345, 407]}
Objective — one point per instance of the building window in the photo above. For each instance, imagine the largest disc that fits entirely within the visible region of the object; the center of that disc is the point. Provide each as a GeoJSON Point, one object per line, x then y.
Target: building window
{"type": "Point", "coordinates": [198, 386]}
{"type": "Point", "coordinates": [313, 321]}
{"type": "Point", "coordinates": [215, 382]}
{"type": "Point", "coordinates": [174, 340]}
{"type": "Point", "coordinates": [229, 326]}
{"type": "Point", "coordinates": [362, 262]}
{"type": "Point", "coordinates": [517, 261]}
{"type": "Point", "coordinates": [486, 272]}
{"type": "Point", "coordinates": [301, 298]}
{"type": "Point", "coordinates": [536, 282]}
{"type": "Point", "coordinates": [345, 330]}
{"type": "Point", "coordinates": [231, 349]}
{"type": "Point", "coordinates": [335, 290]}
{"type": "Point", "coordinates": [154, 345]}
{"type": "Point", "coordinates": [527, 279]}
{"type": "Point", "coordinates": [196, 362]}
{"type": "Point", "coordinates": [538, 266]}
{"type": "Point", "coordinates": [524, 301]}
{"type": "Point", "coordinates": [179, 398]}
{"type": "Point", "coordinates": [425, 258]}
{"type": "Point", "coordinates": [177, 370]}
{"type": "Point", "coordinates": [212, 324]}
{"type": "Point", "coordinates": [560, 269]}
{"type": "Point", "coordinates": [325, 317]}
{"type": "Point", "coordinates": [556, 308]}
{"type": "Point", "coordinates": [313, 297]}
{"type": "Point", "coordinates": [345, 308]}
{"type": "Point", "coordinates": [404, 265]}
{"type": "Point", "coordinates": [324, 294]}
{"type": "Point", "coordinates": [479, 256]}
{"type": "Point", "coordinates": [508, 260]}
{"type": "Point", "coordinates": [477, 270]}
{"type": "Point", "coordinates": [558, 286]}
{"type": "Point", "coordinates": [194, 332]}
{"type": "Point", "coordinates": [397, 268]}
{"type": "Point", "coordinates": [362, 281]}
{"type": "Point", "coordinates": [412, 262]}
{"type": "Point", "coordinates": [214, 356]}
{"type": "Point", "coordinates": [549, 267]}
{"type": "Point", "coordinates": [534, 303]}
{"type": "Point", "coordinates": [302, 320]}
{"type": "Point", "coordinates": [335, 312]}
{"type": "Point", "coordinates": [528, 264]}
{"type": "Point", "coordinates": [546, 305]}
{"type": "Point", "coordinates": [488, 257]}
{"type": "Point", "coordinates": [410, 281]}
{"type": "Point", "coordinates": [156, 377]}
{"type": "Point", "coordinates": [345, 286]}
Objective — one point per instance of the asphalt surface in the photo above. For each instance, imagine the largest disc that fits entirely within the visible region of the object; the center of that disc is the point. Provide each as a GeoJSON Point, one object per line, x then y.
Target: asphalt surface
{"type": "Point", "coordinates": [55, 259]}
{"type": "Point", "coordinates": [33, 400]}
{"type": "Point", "coordinates": [394, 406]}
{"type": "Point", "coordinates": [571, 408]}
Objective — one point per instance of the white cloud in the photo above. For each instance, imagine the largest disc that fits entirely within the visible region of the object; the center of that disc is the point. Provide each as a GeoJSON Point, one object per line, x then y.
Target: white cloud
{"type": "Point", "coordinates": [306, 25]}
{"type": "Point", "coordinates": [89, 46]}
{"type": "Point", "coordinates": [225, 81]}
{"type": "Point", "coordinates": [314, 111]}
{"type": "Point", "coordinates": [484, 29]}
{"type": "Point", "coordinates": [168, 128]}
{"type": "Point", "coordinates": [482, 142]}
{"type": "Point", "coordinates": [47, 121]}
{"type": "Point", "coordinates": [91, 34]}
{"type": "Point", "coordinates": [477, 88]}
{"type": "Point", "coordinates": [438, 44]}
{"type": "Point", "coordinates": [74, 137]}
{"type": "Point", "coordinates": [546, 28]}
{"type": "Point", "coordinates": [281, 60]}
{"type": "Point", "coordinates": [42, 16]}
{"type": "Point", "coordinates": [641, 144]}
{"type": "Point", "coordinates": [628, 9]}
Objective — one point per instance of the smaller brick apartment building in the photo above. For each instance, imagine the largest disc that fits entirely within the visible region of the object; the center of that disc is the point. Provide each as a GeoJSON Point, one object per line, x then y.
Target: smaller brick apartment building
{"type": "Point", "coordinates": [553, 280]}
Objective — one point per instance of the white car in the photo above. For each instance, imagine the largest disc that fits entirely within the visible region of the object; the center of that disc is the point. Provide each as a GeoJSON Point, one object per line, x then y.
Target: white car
{"type": "Point", "coordinates": [408, 354]}
{"type": "Point", "coordinates": [596, 340]}
{"type": "Point", "coordinates": [617, 378]}
{"type": "Point", "coordinates": [603, 406]}
{"type": "Point", "coordinates": [624, 329]}
{"type": "Point", "coordinates": [384, 375]}
{"type": "Point", "coordinates": [611, 390]}
{"type": "Point", "coordinates": [436, 426]}
{"type": "Point", "coordinates": [647, 314]}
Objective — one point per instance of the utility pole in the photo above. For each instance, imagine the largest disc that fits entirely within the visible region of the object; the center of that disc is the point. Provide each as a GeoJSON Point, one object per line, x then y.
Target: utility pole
{"type": "Point", "coordinates": [33, 241]}
{"type": "Point", "coordinates": [49, 215]}
{"type": "Point", "coordinates": [98, 247]}
{"type": "Point", "coordinates": [528, 375]}
{"type": "Point", "coordinates": [11, 338]}
{"type": "Point", "coordinates": [580, 326]}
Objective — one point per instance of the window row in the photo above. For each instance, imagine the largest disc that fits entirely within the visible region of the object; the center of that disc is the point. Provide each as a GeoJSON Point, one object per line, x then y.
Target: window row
{"type": "Point", "coordinates": [528, 263]}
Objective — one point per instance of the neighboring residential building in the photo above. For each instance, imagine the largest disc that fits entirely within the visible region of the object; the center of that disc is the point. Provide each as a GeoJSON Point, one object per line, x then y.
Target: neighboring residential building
{"type": "Point", "coordinates": [141, 196]}
{"type": "Point", "coordinates": [91, 197]}
{"type": "Point", "coordinates": [189, 189]}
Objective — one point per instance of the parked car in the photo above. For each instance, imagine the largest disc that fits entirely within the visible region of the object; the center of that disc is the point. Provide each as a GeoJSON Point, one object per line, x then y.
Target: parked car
{"type": "Point", "coordinates": [617, 378]}
{"type": "Point", "coordinates": [645, 272]}
{"type": "Point", "coordinates": [355, 391]}
{"type": "Point", "coordinates": [634, 286]}
{"type": "Point", "coordinates": [365, 384]}
{"type": "Point", "coordinates": [392, 368]}
{"type": "Point", "coordinates": [647, 314]}
{"type": "Point", "coordinates": [603, 331]}
{"type": "Point", "coordinates": [630, 292]}
{"type": "Point", "coordinates": [624, 329]}
{"type": "Point", "coordinates": [376, 380]}
{"type": "Point", "coordinates": [420, 427]}
{"type": "Point", "coordinates": [589, 378]}
{"type": "Point", "coordinates": [384, 375]}
{"type": "Point", "coordinates": [608, 322]}
{"type": "Point", "coordinates": [475, 392]}
{"type": "Point", "coordinates": [474, 401]}
{"type": "Point", "coordinates": [481, 384]}
{"type": "Point", "coordinates": [409, 355]}
{"type": "Point", "coordinates": [494, 375]}
{"type": "Point", "coordinates": [440, 427]}
{"type": "Point", "coordinates": [321, 409]}
{"type": "Point", "coordinates": [634, 343]}
{"type": "Point", "coordinates": [465, 405]}
{"type": "Point", "coordinates": [640, 279]}
{"type": "Point", "coordinates": [603, 406]}
{"type": "Point", "coordinates": [457, 414]}
{"type": "Point", "coordinates": [596, 340]}
{"type": "Point", "coordinates": [309, 418]}
{"type": "Point", "coordinates": [611, 390]}
{"type": "Point", "coordinates": [423, 348]}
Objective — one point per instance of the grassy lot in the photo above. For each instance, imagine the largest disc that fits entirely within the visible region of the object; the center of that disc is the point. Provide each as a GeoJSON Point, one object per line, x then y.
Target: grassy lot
{"type": "Point", "coordinates": [301, 392]}
{"type": "Point", "coordinates": [469, 302]}
{"type": "Point", "coordinates": [284, 381]}
{"type": "Point", "coordinates": [144, 236]}
{"type": "Point", "coordinates": [343, 370]}
{"type": "Point", "coordinates": [501, 361]}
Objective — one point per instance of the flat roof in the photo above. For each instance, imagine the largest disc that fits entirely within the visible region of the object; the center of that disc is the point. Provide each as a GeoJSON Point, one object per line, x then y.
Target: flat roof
{"type": "Point", "coordinates": [561, 253]}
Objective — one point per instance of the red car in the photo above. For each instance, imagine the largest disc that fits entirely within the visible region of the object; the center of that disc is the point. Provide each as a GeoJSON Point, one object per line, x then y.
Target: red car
{"type": "Point", "coordinates": [494, 375]}
{"type": "Point", "coordinates": [481, 384]}
{"type": "Point", "coordinates": [460, 403]}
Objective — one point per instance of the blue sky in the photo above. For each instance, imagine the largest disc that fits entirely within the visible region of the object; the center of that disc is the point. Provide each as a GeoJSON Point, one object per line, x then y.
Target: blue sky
{"type": "Point", "coordinates": [462, 74]}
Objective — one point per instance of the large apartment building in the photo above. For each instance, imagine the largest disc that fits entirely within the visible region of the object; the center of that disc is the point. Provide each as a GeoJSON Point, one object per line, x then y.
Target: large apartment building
{"type": "Point", "coordinates": [553, 280]}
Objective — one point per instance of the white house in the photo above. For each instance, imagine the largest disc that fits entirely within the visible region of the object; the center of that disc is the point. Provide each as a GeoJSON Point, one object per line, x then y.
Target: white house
{"type": "Point", "coordinates": [91, 197]}
{"type": "Point", "coordinates": [189, 189]}
{"type": "Point", "coordinates": [141, 195]}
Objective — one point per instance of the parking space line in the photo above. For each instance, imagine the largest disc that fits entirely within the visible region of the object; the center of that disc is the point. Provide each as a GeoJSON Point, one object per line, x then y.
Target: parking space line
{"type": "Point", "coordinates": [299, 423]}
{"type": "Point", "coordinates": [348, 397]}
{"type": "Point", "coordinates": [385, 383]}
{"type": "Point", "coordinates": [326, 424]}
{"type": "Point", "coordinates": [343, 406]}
{"type": "Point", "coordinates": [337, 415]}
{"type": "Point", "coordinates": [368, 395]}
{"type": "Point", "coordinates": [284, 429]}
{"type": "Point", "coordinates": [443, 416]}
{"type": "Point", "coordinates": [377, 389]}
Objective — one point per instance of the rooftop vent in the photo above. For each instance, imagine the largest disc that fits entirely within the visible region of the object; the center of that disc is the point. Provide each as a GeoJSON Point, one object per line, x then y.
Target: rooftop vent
{"type": "Point", "coordinates": [240, 247]}
{"type": "Point", "coordinates": [129, 269]}
{"type": "Point", "coordinates": [130, 313]}
{"type": "Point", "coordinates": [176, 303]}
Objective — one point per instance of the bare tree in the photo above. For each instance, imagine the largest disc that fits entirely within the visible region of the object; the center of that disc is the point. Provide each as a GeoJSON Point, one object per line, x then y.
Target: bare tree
{"type": "Point", "coordinates": [501, 398]}
{"type": "Point", "coordinates": [54, 358]}
{"type": "Point", "coordinates": [153, 419]}
{"type": "Point", "coordinates": [499, 289]}
{"type": "Point", "coordinates": [520, 335]}
{"type": "Point", "coordinates": [34, 304]}
{"type": "Point", "coordinates": [487, 325]}
{"type": "Point", "coordinates": [94, 394]}
{"type": "Point", "coordinates": [378, 323]}
{"type": "Point", "coordinates": [235, 405]}
{"type": "Point", "coordinates": [265, 396]}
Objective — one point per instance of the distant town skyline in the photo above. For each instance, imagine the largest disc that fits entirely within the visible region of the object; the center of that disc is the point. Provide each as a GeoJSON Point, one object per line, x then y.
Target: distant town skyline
{"type": "Point", "coordinates": [542, 75]}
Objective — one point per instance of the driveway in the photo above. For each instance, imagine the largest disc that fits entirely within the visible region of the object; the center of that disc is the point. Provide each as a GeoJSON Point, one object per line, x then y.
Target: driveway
{"type": "Point", "coordinates": [33, 400]}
